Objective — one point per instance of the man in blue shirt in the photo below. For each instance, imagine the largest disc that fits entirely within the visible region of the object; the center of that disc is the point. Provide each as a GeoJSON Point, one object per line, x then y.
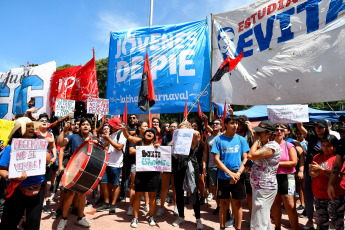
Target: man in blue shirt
{"type": "Point", "coordinates": [230, 155]}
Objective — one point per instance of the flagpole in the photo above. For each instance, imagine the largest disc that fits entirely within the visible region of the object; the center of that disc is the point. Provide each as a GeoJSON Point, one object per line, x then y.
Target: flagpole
{"type": "Point", "coordinates": [211, 90]}
{"type": "Point", "coordinates": [150, 120]}
{"type": "Point", "coordinates": [151, 12]}
{"type": "Point", "coordinates": [197, 100]}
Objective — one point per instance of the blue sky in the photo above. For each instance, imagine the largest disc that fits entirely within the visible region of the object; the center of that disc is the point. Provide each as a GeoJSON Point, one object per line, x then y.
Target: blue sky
{"type": "Point", "coordinates": [41, 31]}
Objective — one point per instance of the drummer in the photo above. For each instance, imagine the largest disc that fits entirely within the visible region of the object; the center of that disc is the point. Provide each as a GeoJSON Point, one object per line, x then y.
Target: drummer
{"type": "Point", "coordinates": [75, 140]}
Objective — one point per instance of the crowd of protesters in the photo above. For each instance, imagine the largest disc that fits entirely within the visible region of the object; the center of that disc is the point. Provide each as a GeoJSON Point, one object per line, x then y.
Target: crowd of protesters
{"type": "Point", "coordinates": [270, 165]}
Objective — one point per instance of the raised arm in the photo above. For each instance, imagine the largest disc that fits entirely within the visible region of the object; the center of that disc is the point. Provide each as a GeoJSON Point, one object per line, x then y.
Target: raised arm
{"type": "Point", "coordinates": [303, 130]}
{"type": "Point", "coordinates": [256, 152]}
{"type": "Point", "coordinates": [61, 140]}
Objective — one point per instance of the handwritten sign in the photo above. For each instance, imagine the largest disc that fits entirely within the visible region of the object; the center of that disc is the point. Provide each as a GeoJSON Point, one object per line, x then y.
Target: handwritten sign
{"type": "Point", "coordinates": [97, 106]}
{"type": "Point", "coordinates": [182, 141]}
{"type": "Point", "coordinates": [27, 155]}
{"type": "Point", "coordinates": [151, 159]}
{"type": "Point", "coordinates": [5, 130]}
{"type": "Point", "coordinates": [288, 113]}
{"type": "Point", "coordinates": [64, 107]}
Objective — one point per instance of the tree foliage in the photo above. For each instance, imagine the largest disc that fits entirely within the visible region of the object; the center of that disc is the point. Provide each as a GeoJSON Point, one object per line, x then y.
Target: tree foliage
{"type": "Point", "coordinates": [65, 66]}
{"type": "Point", "coordinates": [102, 69]}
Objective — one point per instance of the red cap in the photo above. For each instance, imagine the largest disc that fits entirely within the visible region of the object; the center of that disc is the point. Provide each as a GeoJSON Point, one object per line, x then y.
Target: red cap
{"type": "Point", "coordinates": [114, 122]}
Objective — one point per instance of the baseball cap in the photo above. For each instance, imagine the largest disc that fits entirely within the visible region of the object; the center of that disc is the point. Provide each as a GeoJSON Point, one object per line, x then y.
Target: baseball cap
{"type": "Point", "coordinates": [323, 123]}
{"type": "Point", "coordinates": [265, 126]}
{"type": "Point", "coordinates": [115, 122]}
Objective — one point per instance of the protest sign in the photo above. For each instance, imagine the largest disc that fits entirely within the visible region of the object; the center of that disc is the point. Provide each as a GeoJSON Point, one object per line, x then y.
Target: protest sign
{"type": "Point", "coordinates": [288, 113]}
{"type": "Point", "coordinates": [5, 130]}
{"type": "Point", "coordinates": [19, 85]}
{"type": "Point", "coordinates": [97, 106]}
{"type": "Point", "coordinates": [151, 159]}
{"type": "Point", "coordinates": [63, 107]}
{"type": "Point", "coordinates": [27, 155]}
{"type": "Point", "coordinates": [179, 61]}
{"type": "Point", "coordinates": [291, 52]}
{"type": "Point", "coordinates": [182, 141]}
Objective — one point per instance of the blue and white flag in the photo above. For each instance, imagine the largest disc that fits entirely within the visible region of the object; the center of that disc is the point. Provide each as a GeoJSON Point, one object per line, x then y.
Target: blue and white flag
{"type": "Point", "coordinates": [179, 60]}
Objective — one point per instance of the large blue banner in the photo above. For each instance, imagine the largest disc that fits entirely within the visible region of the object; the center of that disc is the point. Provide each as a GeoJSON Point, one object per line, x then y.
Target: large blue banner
{"type": "Point", "coordinates": [180, 65]}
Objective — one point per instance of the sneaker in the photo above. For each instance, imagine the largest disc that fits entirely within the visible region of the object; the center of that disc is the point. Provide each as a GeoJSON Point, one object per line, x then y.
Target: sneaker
{"type": "Point", "coordinates": [105, 206]}
{"type": "Point", "coordinates": [216, 211]}
{"type": "Point", "coordinates": [210, 197]}
{"type": "Point", "coordinates": [175, 211]}
{"type": "Point", "coordinates": [202, 200]}
{"type": "Point", "coordinates": [158, 201]}
{"type": "Point", "coordinates": [130, 211]}
{"type": "Point", "coordinates": [46, 209]}
{"type": "Point", "coordinates": [74, 211]}
{"type": "Point", "coordinates": [160, 212]}
{"type": "Point", "coordinates": [309, 225]}
{"type": "Point", "coordinates": [147, 208]}
{"type": "Point", "coordinates": [187, 200]}
{"type": "Point", "coordinates": [57, 213]}
{"type": "Point", "coordinates": [300, 208]}
{"type": "Point", "coordinates": [112, 209]}
{"type": "Point", "coordinates": [134, 222]}
{"type": "Point", "coordinates": [62, 224]}
{"type": "Point", "coordinates": [152, 221]}
{"type": "Point", "coordinates": [229, 223]}
{"type": "Point", "coordinates": [82, 222]}
{"type": "Point", "coordinates": [303, 214]}
{"type": "Point", "coordinates": [199, 224]}
{"type": "Point", "coordinates": [178, 222]}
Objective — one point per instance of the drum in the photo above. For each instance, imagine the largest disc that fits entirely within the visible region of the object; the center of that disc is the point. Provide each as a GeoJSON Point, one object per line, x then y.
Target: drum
{"type": "Point", "coordinates": [85, 168]}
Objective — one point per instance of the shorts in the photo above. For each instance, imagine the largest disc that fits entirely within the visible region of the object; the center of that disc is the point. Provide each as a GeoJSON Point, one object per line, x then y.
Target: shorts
{"type": "Point", "coordinates": [212, 173]}
{"type": "Point", "coordinates": [286, 184]}
{"type": "Point", "coordinates": [224, 188]}
{"type": "Point", "coordinates": [246, 176]}
{"type": "Point", "coordinates": [111, 176]}
{"type": "Point", "coordinates": [133, 167]}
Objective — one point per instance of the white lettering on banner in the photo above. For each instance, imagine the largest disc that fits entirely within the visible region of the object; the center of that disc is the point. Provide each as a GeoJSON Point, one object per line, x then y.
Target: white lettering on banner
{"type": "Point", "coordinates": [27, 155]}
{"type": "Point", "coordinates": [182, 141]}
{"type": "Point", "coordinates": [159, 97]}
{"type": "Point", "coordinates": [64, 107]}
{"type": "Point", "coordinates": [288, 113]}
{"type": "Point", "coordinates": [149, 158]}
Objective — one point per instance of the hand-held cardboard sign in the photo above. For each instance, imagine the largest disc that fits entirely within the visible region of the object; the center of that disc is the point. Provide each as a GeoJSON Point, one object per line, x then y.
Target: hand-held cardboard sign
{"type": "Point", "coordinates": [98, 106]}
{"type": "Point", "coordinates": [288, 113]}
{"type": "Point", "coordinates": [182, 141]}
{"type": "Point", "coordinates": [151, 159]}
{"type": "Point", "coordinates": [27, 155]}
{"type": "Point", "coordinates": [64, 107]}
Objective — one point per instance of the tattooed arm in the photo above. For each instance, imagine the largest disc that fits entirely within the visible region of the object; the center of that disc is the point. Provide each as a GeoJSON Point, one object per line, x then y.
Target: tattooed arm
{"type": "Point", "coordinates": [255, 153]}
{"type": "Point", "coordinates": [335, 174]}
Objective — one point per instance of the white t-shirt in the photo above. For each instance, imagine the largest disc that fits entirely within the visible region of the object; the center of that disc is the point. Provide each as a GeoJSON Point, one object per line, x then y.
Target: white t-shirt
{"type": "Point", "coordinates": [335, 133]}
{"type": "Point", "coordinates": [116, 156]}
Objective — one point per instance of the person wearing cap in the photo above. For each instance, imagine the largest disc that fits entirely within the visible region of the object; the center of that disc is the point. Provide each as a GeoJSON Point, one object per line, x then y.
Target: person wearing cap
{"type": "Point", "coordinates": [320, 170]}
{"type": "Point", "coordinates": [230, 155]}
{"type": "Point", "coordinates": [18, 199]}
{"type": "Point", "coordinates": [111, 177]}
{"type": "Point", "coordinates": [265, 154]}
{"type": "Point", "coordinates": [314, 147]}
{"type": "Point", "coordinates": [75, 141]}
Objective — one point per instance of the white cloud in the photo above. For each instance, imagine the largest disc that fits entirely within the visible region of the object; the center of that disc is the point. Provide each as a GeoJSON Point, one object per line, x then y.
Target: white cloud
{"type": "Point", "coordinates": [113, 21]}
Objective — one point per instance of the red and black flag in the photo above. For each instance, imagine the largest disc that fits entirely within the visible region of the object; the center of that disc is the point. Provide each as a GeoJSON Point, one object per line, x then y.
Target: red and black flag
{"type": "Point", "coordinates": [124, 117]}
{"type": "Point", "coordinates": [185, 110]}
{"type": "Point", "coordinates": [147, 92]}
{"type": "Point", "coordinates": [228, 65]}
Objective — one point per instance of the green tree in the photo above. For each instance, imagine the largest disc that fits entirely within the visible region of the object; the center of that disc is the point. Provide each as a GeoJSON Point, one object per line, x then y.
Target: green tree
{"type": "Point", "coordinates": [65, 66]}
{"type": "Point", "coordinates": [102, 70]}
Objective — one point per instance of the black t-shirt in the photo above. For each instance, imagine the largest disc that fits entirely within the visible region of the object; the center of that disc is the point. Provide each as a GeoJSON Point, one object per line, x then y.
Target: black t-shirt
{"type": "Point", "coordinates": [131, 157]}
{"type": "Point", "coordinates": [341, 148]}
{"type": "Point", "coordinates": [314, 146]}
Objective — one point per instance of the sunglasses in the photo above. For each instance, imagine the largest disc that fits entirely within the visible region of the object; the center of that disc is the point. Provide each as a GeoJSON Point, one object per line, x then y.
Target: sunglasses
{"type": "Point", "coordinates": [132, 118]}
{"type": "Point", "coordinates": [216, 123]}
{"type": "Point", "coordinates": [43, 121]}
{"type": "Point", "coordinates": [279, 130]}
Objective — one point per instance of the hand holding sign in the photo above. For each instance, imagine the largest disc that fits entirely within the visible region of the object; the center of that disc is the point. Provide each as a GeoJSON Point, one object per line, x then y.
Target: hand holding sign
{"type": "Point", "coordinates": [182, 141]}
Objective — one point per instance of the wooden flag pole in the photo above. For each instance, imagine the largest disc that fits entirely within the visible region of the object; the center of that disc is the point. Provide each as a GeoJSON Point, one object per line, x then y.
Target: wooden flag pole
{"type": "Point", "coordinates": [150, 121]}
{"type": "Point", "coordinates": [196, 101]}
{"type": "Point", "coordinates": [96, 123]}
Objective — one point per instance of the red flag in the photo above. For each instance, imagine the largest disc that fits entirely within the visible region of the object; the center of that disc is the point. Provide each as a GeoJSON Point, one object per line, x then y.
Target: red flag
{"type": "Point", "coordinates": [124, 117]}
{"type": "Point", "coordinates": [27, 65]}
{"type": "Point", "coordinates": [199, 109]}
{"type": "Point", "coordinates": [185, 110]}
{"type": "Point", "coordinates": [87, 78]}
{"type": "Point", "coordinates": [147, 92]}
{"type": "Point", "coordinates": [228, 65]}
{"type": "Point", "coordinates": [224, 112]}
